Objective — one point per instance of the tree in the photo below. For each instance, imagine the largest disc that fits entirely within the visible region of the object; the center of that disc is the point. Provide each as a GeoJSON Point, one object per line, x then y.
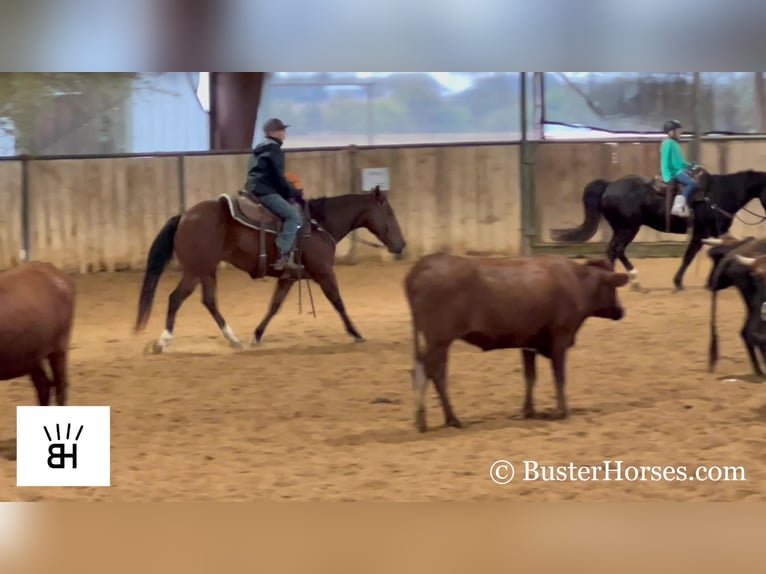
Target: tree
{"type": "Point", "coordinates": [39, 108]}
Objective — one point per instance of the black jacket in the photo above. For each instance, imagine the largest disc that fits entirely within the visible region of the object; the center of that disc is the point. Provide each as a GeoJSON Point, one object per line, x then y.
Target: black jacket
{"type": "Point", "coordinates": [266, 171]}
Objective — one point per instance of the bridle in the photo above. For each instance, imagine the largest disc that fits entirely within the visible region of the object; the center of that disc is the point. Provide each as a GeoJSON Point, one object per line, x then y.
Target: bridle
{"type": "Point", "coordinates": [368, 243]}
{"type": "Point", "coordinates": [733, 216]}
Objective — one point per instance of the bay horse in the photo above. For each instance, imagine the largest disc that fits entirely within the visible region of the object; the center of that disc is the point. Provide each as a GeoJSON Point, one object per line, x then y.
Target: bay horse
{"type": "Point", "coordinates": [235, 229]}
{"type": "Point", "coordinates": [37, 303]}
{"type": "Point", "coordinates": [633, 201]}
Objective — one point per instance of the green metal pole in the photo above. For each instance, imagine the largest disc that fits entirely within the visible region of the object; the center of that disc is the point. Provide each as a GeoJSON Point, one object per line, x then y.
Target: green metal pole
{"type": "Point", "coordinates": [26, 201]}
{"type": "Point", "coordinates": [526, 163]}
{"type": "Point", "coordinates": [694, 147]}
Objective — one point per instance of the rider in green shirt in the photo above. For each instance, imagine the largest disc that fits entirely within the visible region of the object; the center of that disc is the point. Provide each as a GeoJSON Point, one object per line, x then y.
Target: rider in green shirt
{"type": "Point", "coordinates": [675, 168]}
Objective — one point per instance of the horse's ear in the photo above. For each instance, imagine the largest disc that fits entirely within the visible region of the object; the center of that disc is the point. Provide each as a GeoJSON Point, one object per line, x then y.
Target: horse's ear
{"type": "Point", "coordinates": [378, 194]}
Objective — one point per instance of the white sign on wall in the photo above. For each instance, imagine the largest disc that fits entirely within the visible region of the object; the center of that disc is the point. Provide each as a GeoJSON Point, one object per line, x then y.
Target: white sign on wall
{"type": "Point", "coordinates": [375, 176]}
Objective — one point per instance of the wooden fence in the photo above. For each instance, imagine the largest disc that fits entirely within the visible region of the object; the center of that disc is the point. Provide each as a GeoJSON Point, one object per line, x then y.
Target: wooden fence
{"type": "Point", "coordinates": [91, 214]}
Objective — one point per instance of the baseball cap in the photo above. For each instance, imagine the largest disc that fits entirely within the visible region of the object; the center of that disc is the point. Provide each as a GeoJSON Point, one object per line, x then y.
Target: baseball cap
{"type": "Point", "coordinates": [274, 125]}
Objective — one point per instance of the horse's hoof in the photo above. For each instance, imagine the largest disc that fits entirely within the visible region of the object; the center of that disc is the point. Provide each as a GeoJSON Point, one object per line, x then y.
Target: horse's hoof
{"type": "Point", "coordinates": [420, 420]}
{"type": "Point", "coordinates": [236, 345]}
{"type": "Point", "coordinates": [157, 348]}
{"type": "Point", "coordinates": [255, 343]}
{"type": "Point", "coordinates": [359, 340]}
{"type": "Point", "coordinates": [453, 422]}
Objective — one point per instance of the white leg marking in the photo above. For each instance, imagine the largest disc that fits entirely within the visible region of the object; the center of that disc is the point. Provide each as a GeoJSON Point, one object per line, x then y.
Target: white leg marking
{"type": "Point", "coordinates": [229, 334]}
{"type": "Point", "coordinates": [164, 338]}
{"type": "Point", "coordinates": [633, 275]}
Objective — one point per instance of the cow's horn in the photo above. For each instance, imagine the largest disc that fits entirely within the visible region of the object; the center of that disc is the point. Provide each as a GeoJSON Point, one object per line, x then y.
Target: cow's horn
{"type": "Point", "coordinates": [712, 241]}
{"type": "Point", "coordinates": [749, 261]}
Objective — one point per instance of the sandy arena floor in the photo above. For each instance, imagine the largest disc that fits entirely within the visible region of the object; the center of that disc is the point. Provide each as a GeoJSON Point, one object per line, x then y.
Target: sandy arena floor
{"type": "Point", "coordinates": [298, 419]}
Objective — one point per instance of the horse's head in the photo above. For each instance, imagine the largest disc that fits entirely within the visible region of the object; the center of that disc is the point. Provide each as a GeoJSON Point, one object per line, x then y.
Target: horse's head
{"type": "Point", "coordinates": [738, 188]}
{"type": "Point", "coordinates": [380, 220]}
{"type": "Point", "coordinates": [755, 184]}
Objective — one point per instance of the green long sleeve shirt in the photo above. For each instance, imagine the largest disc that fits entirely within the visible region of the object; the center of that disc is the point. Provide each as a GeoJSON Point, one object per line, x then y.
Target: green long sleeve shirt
{"type": "Point", "coordinates": [672, 159]}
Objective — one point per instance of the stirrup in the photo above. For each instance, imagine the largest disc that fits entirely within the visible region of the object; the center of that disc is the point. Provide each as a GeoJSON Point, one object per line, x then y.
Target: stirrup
{"type": "Point", "coordinates": [291, 260]}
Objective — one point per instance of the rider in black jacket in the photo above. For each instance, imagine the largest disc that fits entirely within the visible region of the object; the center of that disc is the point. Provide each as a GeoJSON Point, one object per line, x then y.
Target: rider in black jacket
{"type": "Point", "coordinates": [266, 181]}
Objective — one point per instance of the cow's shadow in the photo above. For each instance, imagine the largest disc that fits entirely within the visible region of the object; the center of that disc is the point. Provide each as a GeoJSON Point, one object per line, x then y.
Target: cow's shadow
{"type": "Point", "coordinates": [406, 433]}
{"type": "Point", "coordinates": [8, 448]}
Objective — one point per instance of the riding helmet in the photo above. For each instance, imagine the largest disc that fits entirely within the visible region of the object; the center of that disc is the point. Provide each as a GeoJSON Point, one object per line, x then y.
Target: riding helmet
{"type": "Point", "coordinates": [671, 125]}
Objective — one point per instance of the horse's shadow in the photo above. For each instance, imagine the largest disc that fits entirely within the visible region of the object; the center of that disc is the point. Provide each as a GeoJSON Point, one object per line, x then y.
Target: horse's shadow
{"type": "Point", "coordinates": [8, 448]}
{"type": "Point", "coordinates": [750, 378]}
{"type": "Point", "coordinates": [330, 348]}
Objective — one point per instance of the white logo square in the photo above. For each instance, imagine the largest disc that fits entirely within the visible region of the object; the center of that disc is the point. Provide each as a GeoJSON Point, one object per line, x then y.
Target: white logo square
{"type": "Point", "coordinates": [63, 446]}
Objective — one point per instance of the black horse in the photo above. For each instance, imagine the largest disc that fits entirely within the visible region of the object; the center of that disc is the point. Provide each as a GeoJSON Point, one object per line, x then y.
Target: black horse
{"type": "Point", "coordinates": [632, 201]}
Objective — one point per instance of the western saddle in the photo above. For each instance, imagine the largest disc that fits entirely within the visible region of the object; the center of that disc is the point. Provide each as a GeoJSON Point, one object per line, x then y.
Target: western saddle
{"type": "Point", "coordinates": [669, 191]}
{"type": "Point", "coordinates": [672, 189]}
{"type": "Point", "coordinates": [246, 210]}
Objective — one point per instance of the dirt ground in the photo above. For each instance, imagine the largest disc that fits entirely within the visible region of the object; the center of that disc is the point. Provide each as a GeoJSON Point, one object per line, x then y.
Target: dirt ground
{"type": "Point", "coordinates": [310, 415]}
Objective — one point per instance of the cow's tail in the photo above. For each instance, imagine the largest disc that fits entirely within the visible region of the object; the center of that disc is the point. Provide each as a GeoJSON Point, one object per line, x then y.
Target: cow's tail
{"type": "Point", "coordinates": [418, 372]}
{"type": "Point", "coordinates": [591, 199]}
{"type": "Point", "coordinates": [419, 379]}
{"type": "Point", "coordinates": [713, 349]}
{"type": "Point", "coordinates": [160, 254]}
{"type": "Point", "coordinates": [418, 342]}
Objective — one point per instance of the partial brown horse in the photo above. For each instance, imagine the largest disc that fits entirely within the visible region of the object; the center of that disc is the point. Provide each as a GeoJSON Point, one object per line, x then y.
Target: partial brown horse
{"type": "Point", "coordinates": [36, 317]}
{"type": "Point", "coordinates": [209, 233]}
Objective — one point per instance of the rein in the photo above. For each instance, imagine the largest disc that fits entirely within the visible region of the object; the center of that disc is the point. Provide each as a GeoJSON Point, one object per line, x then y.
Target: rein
{"type": "Point", "coordinates": [732, 216]}
{"type": "Point", "coordinates": [353, 238]}
{"type": "Point", "coordinates": [371, 244]}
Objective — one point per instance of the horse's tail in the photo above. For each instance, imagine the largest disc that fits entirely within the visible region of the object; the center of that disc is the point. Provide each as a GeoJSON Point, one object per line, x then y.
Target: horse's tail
{"type": "Point", "coordinates": [713, 348]}
{"type": "Point", "coordinates": [591, 199]}
{"type": "Point", "coordinates": [160, 254]}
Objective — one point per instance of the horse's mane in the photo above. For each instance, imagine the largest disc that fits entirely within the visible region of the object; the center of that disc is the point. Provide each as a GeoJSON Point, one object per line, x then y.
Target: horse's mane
{"type": "Point", "coordinates": [318, 208]}
{"type": "Point", "coordinates": [318, 205]}
{"type": "Point", "coordinates": [737, 179]}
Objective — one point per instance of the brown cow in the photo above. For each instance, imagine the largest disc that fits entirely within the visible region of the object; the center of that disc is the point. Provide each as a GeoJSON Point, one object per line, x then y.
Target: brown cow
{"type": "Point", "coordinates": [36, 317]}
{"type": "Point", "coordinates": [536, 304]}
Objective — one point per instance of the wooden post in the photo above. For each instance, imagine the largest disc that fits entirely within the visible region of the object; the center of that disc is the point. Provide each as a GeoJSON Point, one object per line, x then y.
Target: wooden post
{"type": "Point", "coordinates": [234, 101]}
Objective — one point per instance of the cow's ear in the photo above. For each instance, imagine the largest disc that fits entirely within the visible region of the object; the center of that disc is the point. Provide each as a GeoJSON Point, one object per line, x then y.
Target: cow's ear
{"type": "Point", "coordinates": [618, 279]}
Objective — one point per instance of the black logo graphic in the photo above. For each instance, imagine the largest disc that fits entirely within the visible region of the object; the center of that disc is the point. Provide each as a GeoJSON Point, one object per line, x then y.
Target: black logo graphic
{"type": "Point", "coordinates": [57, 454]}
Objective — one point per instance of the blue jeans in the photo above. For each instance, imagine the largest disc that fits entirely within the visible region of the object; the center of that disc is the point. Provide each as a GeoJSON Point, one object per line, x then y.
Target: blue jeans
{"type": "Point", "coordinates": [689, 185]}
{"type": "Point", "coordinates": [290, 218]}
